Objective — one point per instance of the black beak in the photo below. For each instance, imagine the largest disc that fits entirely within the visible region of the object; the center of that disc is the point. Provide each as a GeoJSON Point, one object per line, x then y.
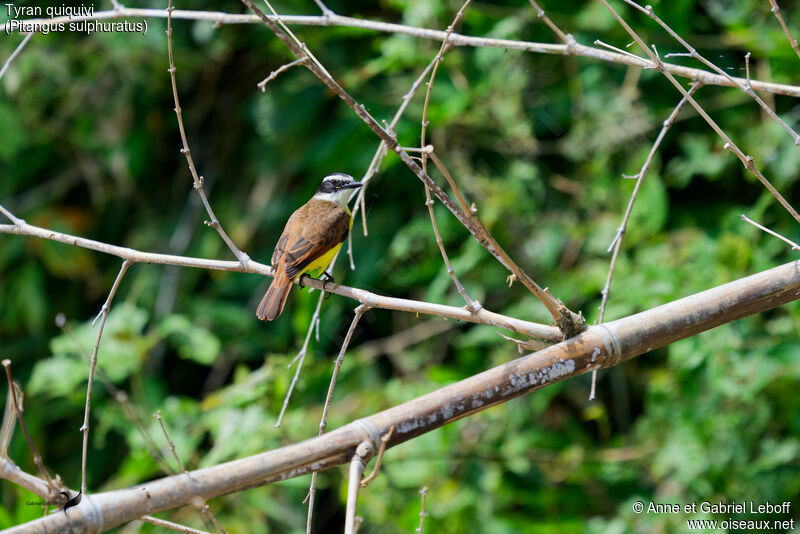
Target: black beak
{"type": "Point", "coordinates": [352, 185]}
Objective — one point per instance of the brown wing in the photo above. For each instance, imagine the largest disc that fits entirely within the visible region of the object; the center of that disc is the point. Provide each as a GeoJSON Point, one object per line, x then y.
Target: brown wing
{"type": "Point", "coordinates": [280, 247]}
{"type": "Point", "coordinates": [311, 231]}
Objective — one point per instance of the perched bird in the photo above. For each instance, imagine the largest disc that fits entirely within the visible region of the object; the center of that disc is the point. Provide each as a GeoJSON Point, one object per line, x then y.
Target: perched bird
{"type": "Point", "coordinates": [310, 240]}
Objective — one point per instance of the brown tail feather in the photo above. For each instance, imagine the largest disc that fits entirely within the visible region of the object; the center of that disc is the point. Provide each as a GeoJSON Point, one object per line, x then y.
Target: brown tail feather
{"type": "Point", "coordinates": [275, 299]}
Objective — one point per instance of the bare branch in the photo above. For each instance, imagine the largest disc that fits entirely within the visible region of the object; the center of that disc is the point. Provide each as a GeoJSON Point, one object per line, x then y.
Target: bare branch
{"type": "Point", "coordinates": [616, 243]}
{"type": "Point", "coordinates": [357, 465]}
{"type": "Point", "coordinates": [198, 180]}
{"type": "Point", "coordinates": [275, 73]}
{"type": "Point", "coordinates": [118, 395]}
{"type": "Point", "coordinates": [603, 345]}
{"type": "Point", "coordinates": [170, 525]}
{"type": "Point", "coordinates": [568, 322]}
{"type": "Point", "coordinates": [324, 421]}
{"type": "Point", "coordinates": [300, 359]}
{"type": "Point", "coordinates": [93, 365]}
{"type": "Point", "coordinates": [384, 440]}
{"type": "Point", "coordinates": [746, 160]}
{"type": "Point", "coordinates": [18, 409]}
{"type": "Point", "coordinates": [542, 15]}
{"type": "Point", "coordinates": [791, 243]}
{"type": "Point", "coordinates": [7, 427]}
{"type": "Point", "coordinates": [17, 221]}
{"type": "Point", "coordinates": [325, 10]}
{"type": "Point", "coordinates": [471, 305]}
{"type": "Point", "coordinates": [572, 49]}
{"type": "Point", "coordinates": [745, 87]}
{"type": "Point", "coordinates": [747, 70]}
{"type": "Point", "coordinates": [792, 41]}
{"type": "Point", "coordinates": [170, 443]}
{"type": "Point", "coordinates": [11, 472]}
{"type": "Point", "coordinates": [422, 513]}
{"type": "Point", "coordinates": [15, 53]}
{"type": "Point", "coordinates": [644, 63]}
{"type": "Point", "coordinates": [371, 300]}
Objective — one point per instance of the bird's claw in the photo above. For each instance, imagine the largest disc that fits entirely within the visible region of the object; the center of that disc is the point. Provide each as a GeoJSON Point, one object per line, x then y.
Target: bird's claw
{"type": "Point", "coordinates": [327, 277]}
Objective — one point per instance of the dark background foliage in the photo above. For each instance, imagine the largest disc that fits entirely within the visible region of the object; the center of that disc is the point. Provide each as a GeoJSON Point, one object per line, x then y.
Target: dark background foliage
{"type": "Point", "coordinates": [89, 146]}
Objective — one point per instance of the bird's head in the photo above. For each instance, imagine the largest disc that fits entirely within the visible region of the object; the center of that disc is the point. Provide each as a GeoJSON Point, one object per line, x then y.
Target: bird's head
{"type": "Point", "coordinates": [337, 188]}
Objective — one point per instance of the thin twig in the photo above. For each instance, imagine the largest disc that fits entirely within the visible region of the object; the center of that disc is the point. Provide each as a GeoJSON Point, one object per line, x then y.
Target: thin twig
{"type": "Point", "coordinates": [471, 304]}
{"type": "Point", "coordinates": [746, 160]}
{"type": "Point", "coordinates": [747, 70]}
{"type": "Point", "coordinates": [117, 394]}
{"type": "Point", "coordinates": [93, 365]}
{"type": "Point", "coordinates": [7, 428]}
{"type": "Point", "coordinates": [422, 513]}
{"type": "Point", "coordinates": [312, 490]}
{"type": "Point", "coordinates": [616, 243]}
{"type": "Point", "coordinates": [15, 53]}
{"type": "Point", "coordinates": [542, 15]}
{"type": "Point", "coordinates": [201, 504]}
{"type": "Point", "coordinates": [18, 409]}
{"type": "Point", "coordinates": [693, 53]}
{"type": "Point", "coordinates": [170, 525]}
{"type": "Point", "coordinates": [372, 300]}
{"type": "Point", "coordinates": [300, 359]}
{"type": "Point", "coordinates": [791, 243]}
{"type": "Point", "coordinates": [325, 10]}
{"type": "Point", "coordinates": [792, 41]}
{"type": "Point", "coordinates": [644, 63]}
{"type": "Point", "coordinates": [568, 322]}
{"type": "Point", "coordinates": [275, 73]}
{"type": "Point", "coordinates": [11, 217]}
{"type": "Point", "coordinates": [357, 464]}
{"type": "Point", "coordinates": [170, 443]}
{"type": "Point", "coordinates": [384, 440]}
{"type": "Point", "coordinates": [382, 150]}
{"type": "Point", "coordinates": [198, 180]}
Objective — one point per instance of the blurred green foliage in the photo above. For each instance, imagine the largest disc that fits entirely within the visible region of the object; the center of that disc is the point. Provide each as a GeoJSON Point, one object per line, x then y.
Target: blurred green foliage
{"type": "Point", "coordinates": [89, 146]}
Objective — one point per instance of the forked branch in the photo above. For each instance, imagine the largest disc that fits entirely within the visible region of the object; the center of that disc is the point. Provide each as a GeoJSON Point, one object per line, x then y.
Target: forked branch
{"type": "Point", "coordinates": [568, 322]}
{"type": "Point", "coordinates": [747, 161]}
{"type": "Point", "coordinates": [197, 180]}
{"type": "Point", "coordinates": [371, 300]}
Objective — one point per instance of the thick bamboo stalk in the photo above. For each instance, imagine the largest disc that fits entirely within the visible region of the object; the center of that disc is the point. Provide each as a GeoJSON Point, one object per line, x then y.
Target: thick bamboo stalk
{"type": "Point", "coordinates": [600, 346]}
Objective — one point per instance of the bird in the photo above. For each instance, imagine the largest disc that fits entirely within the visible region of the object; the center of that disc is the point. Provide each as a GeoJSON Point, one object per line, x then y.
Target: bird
{"type": "Point", "coordinates": [311, 238]}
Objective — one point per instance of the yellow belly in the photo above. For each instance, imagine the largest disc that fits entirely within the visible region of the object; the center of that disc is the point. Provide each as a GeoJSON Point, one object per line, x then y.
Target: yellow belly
{"type": "Point", "coordinates": [318, 266]}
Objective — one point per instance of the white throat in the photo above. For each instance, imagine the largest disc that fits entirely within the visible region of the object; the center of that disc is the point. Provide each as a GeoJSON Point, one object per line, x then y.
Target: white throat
{"type": "Point", "coordinates": [341, 197]}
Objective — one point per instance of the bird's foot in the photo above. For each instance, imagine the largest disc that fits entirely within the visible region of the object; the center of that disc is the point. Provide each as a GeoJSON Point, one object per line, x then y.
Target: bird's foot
{"type": "Point", "coordinates": [327, 277]}
{"type": "Point", "coordinates": [300, 283]}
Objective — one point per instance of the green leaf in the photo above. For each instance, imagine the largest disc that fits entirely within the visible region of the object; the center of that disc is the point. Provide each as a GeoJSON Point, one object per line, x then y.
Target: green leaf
{"type": "Point", "coordinates": [192, 341]}
{"type": "Point", "coordinates": [123, 345]}
{"type": "Point", "coordinates": [57, 376]}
